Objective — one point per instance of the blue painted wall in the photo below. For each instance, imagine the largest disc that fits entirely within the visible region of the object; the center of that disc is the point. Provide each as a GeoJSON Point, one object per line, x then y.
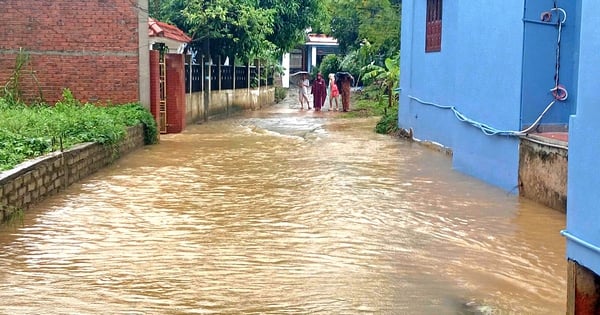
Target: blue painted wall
{"type": "Point", "coordinates": [539, 61]}
{"type": "Point", "coordinates": [583, 205]}
{"type": "Point", "coordinates": [478, 71]}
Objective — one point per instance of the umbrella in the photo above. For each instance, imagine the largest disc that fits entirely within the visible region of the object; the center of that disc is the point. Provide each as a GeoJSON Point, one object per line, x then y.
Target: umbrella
{"type": "Point", "coordinates": [297, 77]}
{"type": "Point", "coordinates": [342, 75]}
{"type": "Point", "coordinates": [298, 73]}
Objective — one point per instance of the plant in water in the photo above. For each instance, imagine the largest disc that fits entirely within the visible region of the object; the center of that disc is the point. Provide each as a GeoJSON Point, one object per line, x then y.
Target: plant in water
{"type": "Point", "coordinates": [12, 216]}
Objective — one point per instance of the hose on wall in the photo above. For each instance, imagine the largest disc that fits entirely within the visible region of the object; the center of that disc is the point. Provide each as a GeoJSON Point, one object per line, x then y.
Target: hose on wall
{"type": "Point", "coordinates": [559, 92]}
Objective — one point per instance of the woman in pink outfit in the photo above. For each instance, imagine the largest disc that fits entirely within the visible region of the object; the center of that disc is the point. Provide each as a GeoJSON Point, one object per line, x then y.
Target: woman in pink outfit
{"type": "Point", "coordinates": [333, 92]}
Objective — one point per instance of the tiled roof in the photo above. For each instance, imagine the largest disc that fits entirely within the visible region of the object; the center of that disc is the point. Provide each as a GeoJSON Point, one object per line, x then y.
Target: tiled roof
{"type": "Point", "coordinates": [321, 39]}
{"type": "Point", "coordinates": [161, 29]}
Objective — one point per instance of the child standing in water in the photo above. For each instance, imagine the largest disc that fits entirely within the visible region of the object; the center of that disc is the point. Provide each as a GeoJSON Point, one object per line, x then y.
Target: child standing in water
{"type": "Point", "coordinates": [303, 85]}
{"type": "Point", "coordinates": [333, 92]}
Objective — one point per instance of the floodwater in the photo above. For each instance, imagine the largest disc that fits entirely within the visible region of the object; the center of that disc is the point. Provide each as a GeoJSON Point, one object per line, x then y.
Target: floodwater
{"type": "Point", "coordinates": [284, 212]}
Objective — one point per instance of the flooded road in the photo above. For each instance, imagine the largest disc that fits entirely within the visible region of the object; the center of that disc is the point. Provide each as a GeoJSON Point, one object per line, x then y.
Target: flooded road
{"type": "Point", "coordinates": [284, 212]}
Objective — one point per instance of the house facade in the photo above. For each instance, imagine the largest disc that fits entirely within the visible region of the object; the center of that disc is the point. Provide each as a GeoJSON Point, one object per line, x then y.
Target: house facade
{"type": "Point", "coordinates": [478, 77]}
{"type": "Point", "coordinates": [97, 49]}
{"type": "Point", "coordinates": [308, 56]}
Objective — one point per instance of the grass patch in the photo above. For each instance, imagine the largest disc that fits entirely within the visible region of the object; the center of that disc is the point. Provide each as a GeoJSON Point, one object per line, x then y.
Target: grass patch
{"type": "Point", "coordinates": [370, 102]}
{"type": "Point", "coordinates": [15, 218]}
{"type": "Point", "coordinates": [30, 131]}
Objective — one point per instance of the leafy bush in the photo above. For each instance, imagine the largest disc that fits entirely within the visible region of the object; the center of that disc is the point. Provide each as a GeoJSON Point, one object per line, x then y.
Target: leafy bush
{"type": "Point", "coordinates": [280, 94]}
{"type": "Point", "coordinates": [372, 103]}
{"type": "Point", "coordinates": [352, 63]}
{"type": "Point", "coordinates": [329, 64]}
{"type": "Point", "coordinates": [388, 124]}
{"type": "Point", "coordinates": [30, 131]}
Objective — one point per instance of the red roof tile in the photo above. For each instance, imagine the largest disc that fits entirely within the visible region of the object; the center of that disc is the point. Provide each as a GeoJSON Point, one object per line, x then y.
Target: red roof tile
{"type": "Point", "coordinates": [161, 29]}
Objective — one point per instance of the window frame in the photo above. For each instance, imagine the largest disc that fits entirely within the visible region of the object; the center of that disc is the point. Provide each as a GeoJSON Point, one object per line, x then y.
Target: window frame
{"type": "Point", "coordinates": [433, 26]}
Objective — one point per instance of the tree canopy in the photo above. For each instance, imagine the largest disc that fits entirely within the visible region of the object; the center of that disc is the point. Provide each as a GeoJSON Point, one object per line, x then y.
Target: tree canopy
{"type": "Point", "coordinates": [354, 22]}
{"type": "Point", "coordinates": [243, 29]}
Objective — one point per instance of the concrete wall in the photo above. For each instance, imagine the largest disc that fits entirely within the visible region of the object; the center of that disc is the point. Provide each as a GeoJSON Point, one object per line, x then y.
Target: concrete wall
{"type": "Point", "coordinates": [583, 204]}
{"type": "Point", "coordinates": [478, 72]}
{"type": "Point", "coordinates": [227, 101]}
{"type": "Point", "coordinates": [194, 107]}
{"type": "Point", "coordinates": [543, 172]}
{"type": "Point", "coordinates": [91, 48]}
{"type": "Point", "coordinates": [32, 181]}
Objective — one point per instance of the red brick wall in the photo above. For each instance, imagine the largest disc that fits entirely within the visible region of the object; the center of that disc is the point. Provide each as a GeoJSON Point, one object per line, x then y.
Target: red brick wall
{"type": "Point", "coordinates": [155, 84]}
{"type": "Point", "coordinates": [175, 93]}
{"type": "Point", "coordinates": [90, 47]}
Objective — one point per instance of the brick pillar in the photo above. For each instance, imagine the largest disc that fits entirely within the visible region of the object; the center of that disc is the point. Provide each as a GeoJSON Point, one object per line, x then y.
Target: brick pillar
{"type": "Point", "coordinates": [175, 93]}
{"type": "Point", "coordinates": [583, 290]}
{"type": "Point", "coordinates": [154, 84]}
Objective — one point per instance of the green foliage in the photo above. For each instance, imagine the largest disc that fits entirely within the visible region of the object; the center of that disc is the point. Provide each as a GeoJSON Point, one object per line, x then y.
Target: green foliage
{"type": "Point", "coordinates": [15, 218]}
{"type": "Point", "coordinates": [330, 64]}
{"type": "Point", "coordinates": [352, 63]}
{"type": "Point", "coordinates": [387, 78]}
{"type": "Point", "coordinates": [30, 131]}
{"type": "Point", "coordinates": [388, 124]}
{"type": "Point", "coordinates": [292, 18]}
{"type": "Point", "coordinates": [344, 23]}
{"type": "Point", "coordinates": [12, 92]}
{"type": "Point", "coordinates": [280, 94]}
{"type": "Point", "coordinates": [133, 114]}
{"type": "Point", "coordinates": [244, 29]}
{"type": "Point", "coordinates": [377, 21]}
{"type": "Point", "coordinates": [370, 102]}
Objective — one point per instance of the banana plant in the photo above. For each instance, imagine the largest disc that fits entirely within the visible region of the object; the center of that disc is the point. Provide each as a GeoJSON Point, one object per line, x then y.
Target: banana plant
{"type": "Point", "coordinates": [386, 77]}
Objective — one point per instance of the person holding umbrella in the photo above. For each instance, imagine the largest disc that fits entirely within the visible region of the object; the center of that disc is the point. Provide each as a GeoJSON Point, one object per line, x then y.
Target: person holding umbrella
{"type": "Point", "coordinates": [303, 85]}
{"type": "Point", "coordinates": [344, 79]}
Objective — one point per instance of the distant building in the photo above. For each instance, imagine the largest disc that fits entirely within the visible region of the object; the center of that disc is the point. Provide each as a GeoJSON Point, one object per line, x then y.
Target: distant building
{"type": "Point", "coordinates": [308, 56]}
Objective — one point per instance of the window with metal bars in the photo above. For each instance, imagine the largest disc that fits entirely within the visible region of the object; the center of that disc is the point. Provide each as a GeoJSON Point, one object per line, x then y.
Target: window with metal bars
{"type": "Point", "coordinates": [433, 25]}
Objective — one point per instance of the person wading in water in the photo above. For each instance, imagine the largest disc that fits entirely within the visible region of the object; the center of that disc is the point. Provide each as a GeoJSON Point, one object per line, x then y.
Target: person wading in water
{"type": "Point", "coordinates": [319, 92]}
{"type": "Point", "coordinates": [344, 80]}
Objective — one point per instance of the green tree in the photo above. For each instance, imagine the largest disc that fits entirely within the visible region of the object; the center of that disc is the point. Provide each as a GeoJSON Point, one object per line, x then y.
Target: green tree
{"type": "Point", "coordinates": [344, 23]}
{"type": "Point", "coordinates": [245, 29]}
{"type": "Point", "coordinates": [291, 19]}
{"type": "Point", "coordinates": [386, 77]}
{"type": "Point", "coordinates": [330, 64]}
{"type": "Point", "coordinates": [353, 22]}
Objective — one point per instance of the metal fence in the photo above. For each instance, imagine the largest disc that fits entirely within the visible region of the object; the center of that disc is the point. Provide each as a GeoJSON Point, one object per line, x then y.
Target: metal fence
{"type": "Point", "coordinates": [222, 77]}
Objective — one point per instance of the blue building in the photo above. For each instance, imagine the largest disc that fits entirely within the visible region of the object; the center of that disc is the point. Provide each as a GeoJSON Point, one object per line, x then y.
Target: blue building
{"type": "Point", "coordinates": [491, 64]}
{"type": "Point", "coordinates": [478, 75]}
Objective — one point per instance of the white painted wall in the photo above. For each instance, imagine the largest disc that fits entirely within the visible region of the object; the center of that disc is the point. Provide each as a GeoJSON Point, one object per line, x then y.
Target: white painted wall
{"type": "Point", "coordinates": [285, 63]}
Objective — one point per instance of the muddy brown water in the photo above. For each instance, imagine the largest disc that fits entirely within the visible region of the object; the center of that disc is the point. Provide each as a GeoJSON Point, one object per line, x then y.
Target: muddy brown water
{"type": "Point", "coordinates": [284, 212]}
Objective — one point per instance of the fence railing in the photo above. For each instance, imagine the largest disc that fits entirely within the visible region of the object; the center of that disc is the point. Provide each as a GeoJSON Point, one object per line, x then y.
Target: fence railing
{"type": "Point", "coordinates": [225, 78]}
